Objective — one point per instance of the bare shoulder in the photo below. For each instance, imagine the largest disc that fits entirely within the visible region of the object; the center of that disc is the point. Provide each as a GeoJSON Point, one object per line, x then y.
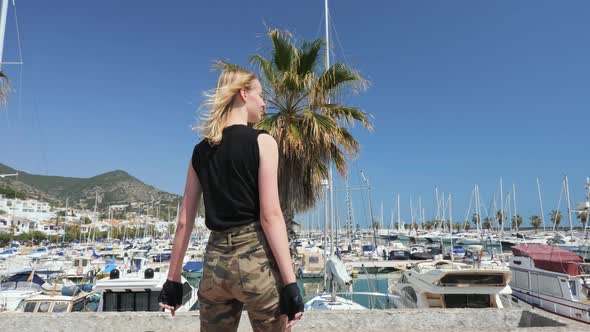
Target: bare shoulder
{"type": "Point", "coordinates": [266, 143]}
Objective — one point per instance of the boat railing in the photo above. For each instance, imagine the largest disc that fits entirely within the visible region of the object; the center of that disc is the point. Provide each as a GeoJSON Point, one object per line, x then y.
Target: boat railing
{"type": "Point", "coordinates": [390, 298]}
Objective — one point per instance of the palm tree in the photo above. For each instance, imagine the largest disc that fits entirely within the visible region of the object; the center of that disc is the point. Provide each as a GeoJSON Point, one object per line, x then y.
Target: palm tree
{"type": "Point", "coordinates": [476, 219]}
{"type": "Point", "coordinates": [556, 217]}
{"type": "Point", "coordinates": [4, 87]}
{"type": "Point", "coordinates": [458, 226]}
{"type": "Point", "coordinates": [535, 222]}
{"type": "Point", "coordinates": [501, 217]}
{"type": "Point", "coordinates": [583, 217]}
{"type": "Point", "coordinates": [466, 225]}
{"type": "Point", "coordinates": [309, 123]}
{"type": "Point", "coordinates": [516, 221]}
{"type": "Point", "coordinates": [487, 223]}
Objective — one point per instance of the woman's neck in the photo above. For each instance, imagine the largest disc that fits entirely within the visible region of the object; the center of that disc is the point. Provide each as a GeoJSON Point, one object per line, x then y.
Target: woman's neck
{"type": "Point", "coordinates": [237, 116]}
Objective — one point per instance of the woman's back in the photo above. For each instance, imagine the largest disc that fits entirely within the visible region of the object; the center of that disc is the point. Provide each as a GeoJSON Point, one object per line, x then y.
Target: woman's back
{"type": "Point", "coordinates": [228, 173]}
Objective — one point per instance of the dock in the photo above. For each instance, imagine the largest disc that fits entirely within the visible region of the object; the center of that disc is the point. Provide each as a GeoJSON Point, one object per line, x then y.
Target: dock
{"type": "Point", "coordinates": [439, 320]}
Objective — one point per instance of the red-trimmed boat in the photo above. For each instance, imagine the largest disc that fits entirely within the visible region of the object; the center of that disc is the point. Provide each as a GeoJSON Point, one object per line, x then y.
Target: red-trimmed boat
{"type": "Point", "coordinates": [553, 279]}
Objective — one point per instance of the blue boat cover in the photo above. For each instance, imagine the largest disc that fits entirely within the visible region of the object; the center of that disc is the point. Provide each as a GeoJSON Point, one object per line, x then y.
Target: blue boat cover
{"type": "Point", "coordinates": [108, 268]}
{"type": "Point", "coordinates": [193, 266]}
{"type": "Point", "coordinates": [86, 287]}
{"type": "Point", "coordinates": [70, 290]}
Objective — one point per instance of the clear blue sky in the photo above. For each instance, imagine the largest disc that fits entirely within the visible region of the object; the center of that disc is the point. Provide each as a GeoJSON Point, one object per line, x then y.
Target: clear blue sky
{"type": "Point", "coordinates": [463, 92]}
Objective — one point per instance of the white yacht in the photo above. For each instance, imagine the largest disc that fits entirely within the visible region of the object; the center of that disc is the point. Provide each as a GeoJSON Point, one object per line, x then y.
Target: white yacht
{"type": "Point", "coordinates": [553, 279]}
{"type": "Point", "coordinates": [338, 276]}
{"type": "Point", "coordinates": [312, 265]}
{"type": "Point", "coordinates": [446, 284]}
{"type": "Point", "coordinates": [18, 287]}
{"type": "Point", "coordinates": [138, 291]}
{"type": "Point", "coordinates": [65, 298]}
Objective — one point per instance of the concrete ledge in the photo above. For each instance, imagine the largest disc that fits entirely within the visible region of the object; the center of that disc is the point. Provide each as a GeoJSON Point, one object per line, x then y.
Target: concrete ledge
{"type": "Point", "coordinates": [364, 320]}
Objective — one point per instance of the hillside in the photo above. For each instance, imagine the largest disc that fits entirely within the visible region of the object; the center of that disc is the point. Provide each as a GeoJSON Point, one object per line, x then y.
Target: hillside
{"type": "Point", "coordinates": [116, 187]}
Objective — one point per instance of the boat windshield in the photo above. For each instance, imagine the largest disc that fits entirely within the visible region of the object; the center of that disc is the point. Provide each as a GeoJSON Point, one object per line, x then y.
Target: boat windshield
{"type": "Point", "coordinates": [131, 301]}
{"type": "Point", "coordinates": [472, 279]}
{"type": "Point", "coordinates": [585, 267]}
{"type": "Point", "coordinates": [13, 285]}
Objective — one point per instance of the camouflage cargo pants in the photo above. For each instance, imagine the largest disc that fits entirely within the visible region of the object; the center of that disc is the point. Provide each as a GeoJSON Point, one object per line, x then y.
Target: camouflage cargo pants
{"type": "Point", "coordinates": [239, 270]}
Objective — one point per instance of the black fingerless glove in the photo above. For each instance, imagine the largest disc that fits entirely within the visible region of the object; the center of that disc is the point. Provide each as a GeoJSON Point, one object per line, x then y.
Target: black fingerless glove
{"type": "Point", "coordinates": [171, 293]}
{"type": "Point", "coordinates": [290, 301]}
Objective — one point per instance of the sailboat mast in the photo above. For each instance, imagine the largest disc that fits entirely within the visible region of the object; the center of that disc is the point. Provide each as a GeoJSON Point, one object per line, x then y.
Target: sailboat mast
{"type": "Point", "coordinates": [330, 173]}
{"type": "Point", "coordinates": [541, 203]}
{"type": "Point", "coordinates": [569, 211]}
{"type": "Point", "coordinates": [399, 218]}
{"type": "Point", "coordinates": [501, 209]}
{"type": "Point", "coordinates": [3, 14]}
{"type": "Point", "coordinates": [515, 210]}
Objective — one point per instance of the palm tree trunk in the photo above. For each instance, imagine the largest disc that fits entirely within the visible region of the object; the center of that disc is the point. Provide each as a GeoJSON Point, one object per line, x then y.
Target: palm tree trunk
{"type": "Point", "coordinates": [289, 217]}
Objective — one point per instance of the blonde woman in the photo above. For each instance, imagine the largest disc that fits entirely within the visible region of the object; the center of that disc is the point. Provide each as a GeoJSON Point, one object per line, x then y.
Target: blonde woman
{"type": "Point", "coordinates": [247, 259]}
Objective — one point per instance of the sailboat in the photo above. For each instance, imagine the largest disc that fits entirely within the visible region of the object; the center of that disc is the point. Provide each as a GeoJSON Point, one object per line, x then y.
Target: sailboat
{"type": "Point", "coordinates": [336, 276]}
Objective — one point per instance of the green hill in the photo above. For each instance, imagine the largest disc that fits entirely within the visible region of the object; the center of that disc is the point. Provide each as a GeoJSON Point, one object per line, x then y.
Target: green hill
{"type": "Point", "coordinates": [116, 187]}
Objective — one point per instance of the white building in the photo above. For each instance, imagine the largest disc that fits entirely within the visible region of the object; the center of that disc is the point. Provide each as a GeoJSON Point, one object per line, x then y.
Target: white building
{"type": "Point", "coordinates": [30, 209]}
{"type": "Point", "coordinates": [18, 225]}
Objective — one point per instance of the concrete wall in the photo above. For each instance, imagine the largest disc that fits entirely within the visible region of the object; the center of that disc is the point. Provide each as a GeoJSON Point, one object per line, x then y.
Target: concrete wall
{"type": "Point", "coordinates": [459, 320]}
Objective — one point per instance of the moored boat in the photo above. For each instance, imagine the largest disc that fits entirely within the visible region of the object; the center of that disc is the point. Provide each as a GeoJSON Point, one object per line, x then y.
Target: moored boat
{"type": "Point", "coordinates": [553, 279]}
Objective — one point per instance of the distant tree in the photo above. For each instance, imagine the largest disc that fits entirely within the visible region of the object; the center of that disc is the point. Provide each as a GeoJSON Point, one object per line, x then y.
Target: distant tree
{"type": "Point", "coordinates": [487, 223]}
{"type": "Point", "coordinates": [555, 218]}
{"type": "Point", "coordinates": [476, 219]}
{"type": "Point", "coordinates": [583, 217]}
{"type": "Point", "coordinates": [466, 225]}
{"type": "Point", "coordinates": [535, 222]}
{"type": "Point", "coordinates": [376, 225]}
{"type": "Point", "coordinates": [516, 221]}
{"type": "Point", "coordinates": [501, 217]}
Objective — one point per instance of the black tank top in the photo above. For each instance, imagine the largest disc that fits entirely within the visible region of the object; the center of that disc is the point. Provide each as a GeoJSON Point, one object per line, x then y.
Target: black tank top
{"type": "Point", "coordinates": [228, 173]}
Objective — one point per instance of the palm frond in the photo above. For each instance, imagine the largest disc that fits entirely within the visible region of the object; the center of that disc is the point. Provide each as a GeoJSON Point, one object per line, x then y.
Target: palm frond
{"type": "Point", "coordinates": [224, 64]}
{"type": "Point", "coordinates": [266, 67]}
{"type": "Point", "coordinates": [309, 56]}
{"type": "Point", "coordinates": [4, 87]}
{"type": "Point", "coordinates": [348, 114]}
{"type": "Point", "coordinates": [283, 48]}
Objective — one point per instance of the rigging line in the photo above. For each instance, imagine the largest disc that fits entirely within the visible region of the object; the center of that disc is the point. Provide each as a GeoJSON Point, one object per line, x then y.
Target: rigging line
{"type": "Point", "coordinates": [558, 211]}
{"type": "Point", "coordinates": [20, 55]}
{"type": "Point", "coordinates": [320, 26]}
{"type": "Point", "coordinates": [18, 39]}
{"type": "Point", "coordinates": [338, 40]}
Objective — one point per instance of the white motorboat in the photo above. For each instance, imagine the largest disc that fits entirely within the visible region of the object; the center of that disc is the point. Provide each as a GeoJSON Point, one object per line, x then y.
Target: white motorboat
{"type": "Point", "coordinates": [446, 284]}
{"type": "Point", "coordinates": [57, 297]}
{"type": "Point", "coordinates": [553, 279]}
{"type": "Point", "coordinates": [18, 287]}
{"type": "Point", "coordinates": [138, 291]}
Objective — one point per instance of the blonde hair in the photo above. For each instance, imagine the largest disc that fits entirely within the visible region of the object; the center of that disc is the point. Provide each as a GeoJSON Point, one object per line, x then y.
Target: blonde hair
{"type": "Point", "coordinates": [220, 101]}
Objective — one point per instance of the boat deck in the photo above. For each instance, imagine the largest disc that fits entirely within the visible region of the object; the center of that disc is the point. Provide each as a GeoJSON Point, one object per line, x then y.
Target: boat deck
{"type": "Point", "coordinates": [399, 265]}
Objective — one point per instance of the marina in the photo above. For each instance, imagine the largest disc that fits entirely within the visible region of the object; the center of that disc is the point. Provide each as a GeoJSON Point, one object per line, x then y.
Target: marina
{"type": "Point", "coordinates": [460, 202]}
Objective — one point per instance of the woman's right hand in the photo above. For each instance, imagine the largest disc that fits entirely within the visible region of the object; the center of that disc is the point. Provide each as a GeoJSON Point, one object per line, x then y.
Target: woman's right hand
{"type": "Point", "coordinates": [170, 296]}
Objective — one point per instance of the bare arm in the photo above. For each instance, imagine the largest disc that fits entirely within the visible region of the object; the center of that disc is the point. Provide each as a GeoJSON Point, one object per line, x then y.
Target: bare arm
{"type": "Point", "coordinates": [188, 212]}
{"type": "Point", "coordinates": [271, 216]}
